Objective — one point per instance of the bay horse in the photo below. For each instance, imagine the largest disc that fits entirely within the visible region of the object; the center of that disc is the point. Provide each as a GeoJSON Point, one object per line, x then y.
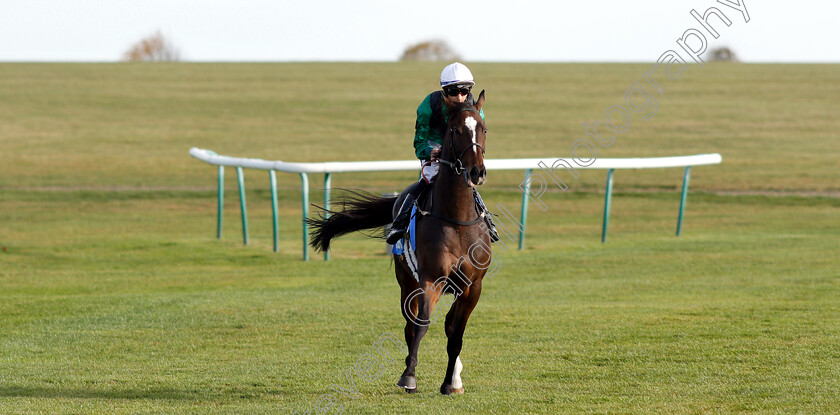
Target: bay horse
{"type": "Point", "coordinates": [452, 241]}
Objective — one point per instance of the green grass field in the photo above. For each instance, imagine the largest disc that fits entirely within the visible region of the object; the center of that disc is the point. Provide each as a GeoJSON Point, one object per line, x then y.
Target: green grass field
{"type": "Point", "coordinates": [116, 297]}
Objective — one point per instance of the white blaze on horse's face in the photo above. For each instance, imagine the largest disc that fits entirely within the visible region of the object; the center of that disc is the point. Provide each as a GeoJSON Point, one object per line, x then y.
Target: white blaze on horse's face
{"type": "Point", "coordinates": [471, 123]}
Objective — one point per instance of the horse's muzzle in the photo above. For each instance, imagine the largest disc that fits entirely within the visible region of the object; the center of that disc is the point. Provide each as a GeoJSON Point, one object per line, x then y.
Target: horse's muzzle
{"type": "Point", "coordinates": [478, 175]}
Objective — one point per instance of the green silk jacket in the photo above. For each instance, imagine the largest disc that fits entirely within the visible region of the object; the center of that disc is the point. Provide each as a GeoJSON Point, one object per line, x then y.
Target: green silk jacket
{"type": "Point", "coordinates": [430, 127]}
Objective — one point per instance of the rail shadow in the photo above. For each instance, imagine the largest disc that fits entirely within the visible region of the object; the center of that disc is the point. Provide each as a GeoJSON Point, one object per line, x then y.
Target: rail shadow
{"type": "Point", "coordinates": [10, 391]}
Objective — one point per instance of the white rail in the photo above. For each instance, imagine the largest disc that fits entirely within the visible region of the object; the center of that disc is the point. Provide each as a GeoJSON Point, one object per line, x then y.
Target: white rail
{"type": "Point", "coordinates": [328, 168]}
{"type": "Point", "coordinates": [491, 164]}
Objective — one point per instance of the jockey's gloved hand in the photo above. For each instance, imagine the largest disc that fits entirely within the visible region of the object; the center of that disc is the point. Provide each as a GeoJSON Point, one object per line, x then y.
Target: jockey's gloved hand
{"type": "Point", "coordinates": [435, 154]}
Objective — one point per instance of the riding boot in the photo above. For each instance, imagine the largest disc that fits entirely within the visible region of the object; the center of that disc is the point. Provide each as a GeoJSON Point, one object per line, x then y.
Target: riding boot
{"type": "Point", "coordinates": [400, 225]}
{"type": "Point", "coordinates": [491, 227]}
{"type": "Point", "coordinates": [488, 218]}
{"type": "Point", "coordinates": [401, 222]}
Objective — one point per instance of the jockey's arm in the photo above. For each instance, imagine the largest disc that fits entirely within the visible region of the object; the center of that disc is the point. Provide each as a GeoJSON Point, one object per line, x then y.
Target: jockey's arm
{"type": "Point", "coordinates": [423, 131]}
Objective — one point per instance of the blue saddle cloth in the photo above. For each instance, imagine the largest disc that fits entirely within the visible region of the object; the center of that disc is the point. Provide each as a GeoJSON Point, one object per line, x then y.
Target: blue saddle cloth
{"type": "Point", "coordinates": [399, 247]}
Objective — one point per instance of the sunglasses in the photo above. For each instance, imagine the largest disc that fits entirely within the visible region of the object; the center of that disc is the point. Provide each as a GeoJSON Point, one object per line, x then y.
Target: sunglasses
{"type": "Point", "coordinates": [455, 91]}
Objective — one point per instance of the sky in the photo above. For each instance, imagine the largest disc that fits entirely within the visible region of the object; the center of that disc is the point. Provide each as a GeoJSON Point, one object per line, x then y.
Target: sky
{"type": "Point", "coordinates": [374, 30]}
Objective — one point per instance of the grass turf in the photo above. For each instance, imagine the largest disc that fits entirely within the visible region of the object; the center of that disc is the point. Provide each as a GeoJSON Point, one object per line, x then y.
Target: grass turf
{"type": "Point", "coordinates": [115, 296]}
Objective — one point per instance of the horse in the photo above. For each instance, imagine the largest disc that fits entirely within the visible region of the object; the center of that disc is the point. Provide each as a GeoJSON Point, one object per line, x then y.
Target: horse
{"type": "Point", "coordinates": [452, 241]}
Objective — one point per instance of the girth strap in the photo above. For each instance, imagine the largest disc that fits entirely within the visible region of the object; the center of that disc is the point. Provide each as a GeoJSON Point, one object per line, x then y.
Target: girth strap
{"type": "Point", "coordinates": [450, 220]}
{"type": "Point", "coordinates": [481, 210]}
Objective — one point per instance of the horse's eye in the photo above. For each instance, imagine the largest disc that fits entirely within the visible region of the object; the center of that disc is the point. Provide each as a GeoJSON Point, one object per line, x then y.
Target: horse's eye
{"type": "Point", "coordinates": [485, 131]}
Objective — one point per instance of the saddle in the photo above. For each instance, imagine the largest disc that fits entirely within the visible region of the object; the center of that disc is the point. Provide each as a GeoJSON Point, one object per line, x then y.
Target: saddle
{"type": "Point", "coordinates": [421, 199]}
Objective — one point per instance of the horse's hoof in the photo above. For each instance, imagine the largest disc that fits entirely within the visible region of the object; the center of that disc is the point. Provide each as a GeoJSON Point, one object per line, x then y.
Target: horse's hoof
{"type": "Point", "coordinates": [409, 383]}
{"type": "Point", "coordinates": [448, 390]}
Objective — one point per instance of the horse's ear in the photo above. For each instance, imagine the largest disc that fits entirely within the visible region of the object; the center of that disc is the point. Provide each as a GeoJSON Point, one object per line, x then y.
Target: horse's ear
{"type": "Point", "coordinates": [480, 102]}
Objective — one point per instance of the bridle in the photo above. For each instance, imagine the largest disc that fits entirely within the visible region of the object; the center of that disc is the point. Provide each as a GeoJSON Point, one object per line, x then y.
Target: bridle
{"type": "Point", "coordinates": [458, 165]}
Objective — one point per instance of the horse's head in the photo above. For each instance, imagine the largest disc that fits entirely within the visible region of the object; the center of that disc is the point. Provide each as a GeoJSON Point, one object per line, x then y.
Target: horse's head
{"type": "Point", "coordinates": [463, 148]}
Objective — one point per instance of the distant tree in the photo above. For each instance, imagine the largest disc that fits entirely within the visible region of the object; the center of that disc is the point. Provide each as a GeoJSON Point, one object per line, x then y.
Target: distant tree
{"type": "Point", "coordinates": [722, 54]}
{"type": "Point", "coordinates": [154, 48]}
{"type": "Point", "coordinates": [430, 50]}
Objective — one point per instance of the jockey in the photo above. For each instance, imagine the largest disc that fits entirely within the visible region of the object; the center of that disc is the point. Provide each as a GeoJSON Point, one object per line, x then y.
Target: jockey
{"type": "Point", "coordinates": [456, 81]}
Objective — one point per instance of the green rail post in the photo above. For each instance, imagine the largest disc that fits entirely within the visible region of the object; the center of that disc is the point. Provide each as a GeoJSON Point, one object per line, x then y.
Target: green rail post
{"type": "Point", "coordinates": [607, 200]}
{"type": "Point", "coordinates": [305, 196]}
{"type": "Point", "coordinates": [524, 215]}
{"type": "Point", "coordinates": [273, 181]}
{"type": "Point", "coordinates": [327, 184]}
{"type": "Point", "coordinates": [241, 177]}
{"type": "Point", "coordinates": [221, 208]}
{"type": "Point", "coordinates": [683, 198]}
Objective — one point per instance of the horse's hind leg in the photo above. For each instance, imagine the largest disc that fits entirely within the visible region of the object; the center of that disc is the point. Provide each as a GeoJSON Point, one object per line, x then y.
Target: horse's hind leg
{"type": "Point", "coordinates": [408, 307]}
{"type": "Point", "coordinates": [456, 323]}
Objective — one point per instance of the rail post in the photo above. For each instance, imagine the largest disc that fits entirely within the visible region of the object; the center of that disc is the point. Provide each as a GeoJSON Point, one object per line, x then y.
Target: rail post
{"type": "Point", "coordinates": [304, 181]}
{"type": "Point", "coordinates": [683, 198]}
{"type": "Point", "coordinates": [221, 208]}
{"type": "Point", "coordinates": [607, 200]}
{"type": "Point", "coordinates": [241, 178]}
{"type": "Point", "coordinates": [327, 185]}
{"type": "Point", "coordinates": [524, 215]}
{"type": "Point", "coordinates": [272, 175]}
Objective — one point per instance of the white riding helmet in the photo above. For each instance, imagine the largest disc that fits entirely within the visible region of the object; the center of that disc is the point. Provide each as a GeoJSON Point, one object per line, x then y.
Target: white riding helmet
{"type": "Point", "coordinates": [456, 74]}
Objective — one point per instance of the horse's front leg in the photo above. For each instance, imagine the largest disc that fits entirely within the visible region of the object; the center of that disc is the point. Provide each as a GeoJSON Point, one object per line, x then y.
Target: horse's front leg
{"type": "Point", "coordinates": [456, 323]}
{"type": "Point", "coordinates": [417, 309]}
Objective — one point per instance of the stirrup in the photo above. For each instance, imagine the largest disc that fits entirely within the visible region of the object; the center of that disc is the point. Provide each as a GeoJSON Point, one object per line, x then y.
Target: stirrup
{"type": "Point", "coordinates": [400, 225]}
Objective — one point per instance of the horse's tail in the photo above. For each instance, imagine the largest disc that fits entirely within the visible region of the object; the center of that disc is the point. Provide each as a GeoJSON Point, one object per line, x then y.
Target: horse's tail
{"type": "Point", "coordinates": [358, 211]}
